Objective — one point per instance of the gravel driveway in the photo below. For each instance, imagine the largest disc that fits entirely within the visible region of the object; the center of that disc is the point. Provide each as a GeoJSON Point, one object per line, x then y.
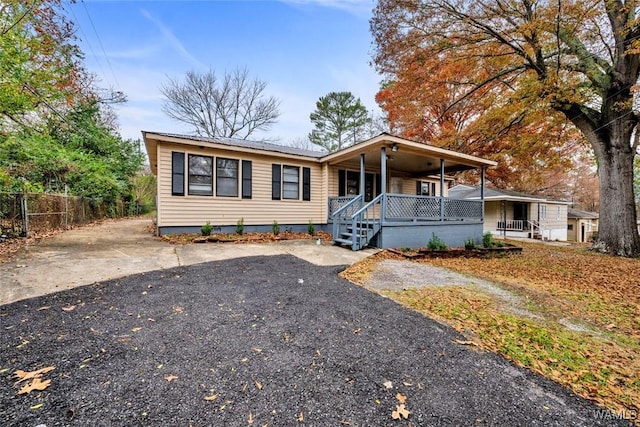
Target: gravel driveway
{"type": "Point", "coordinates": [257, 341]}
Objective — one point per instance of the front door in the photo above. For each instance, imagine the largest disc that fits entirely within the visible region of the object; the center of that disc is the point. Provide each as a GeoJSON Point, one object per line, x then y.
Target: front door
{"type": "Point", "coordinates": [520, 215]}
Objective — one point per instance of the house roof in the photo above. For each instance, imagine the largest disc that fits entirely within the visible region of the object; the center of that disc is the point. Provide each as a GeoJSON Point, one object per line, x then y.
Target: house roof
{"type": "Point", "coordinates": [578, 214]}
{"type": "Point", "coordinates": [473, 192]}
{"type": "Point", "coordinates": [409, 156]}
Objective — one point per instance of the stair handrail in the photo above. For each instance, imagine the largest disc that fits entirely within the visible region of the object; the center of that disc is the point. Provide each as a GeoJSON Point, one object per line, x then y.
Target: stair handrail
{"type": "Point", "coordinates": [338, 214]}
{"type": "Point", "coordinates": [535, 224]}
{"type": "Point", "coordinates": [357, 217]}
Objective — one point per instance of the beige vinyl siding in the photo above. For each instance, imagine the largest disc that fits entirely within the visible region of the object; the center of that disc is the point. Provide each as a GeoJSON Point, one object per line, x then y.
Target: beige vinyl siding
{"type": "Point", "coordinates": [553, 219]}
{"type": "Point", "coordinates": [572, 235]}
{"type": "Point", "coordinates": [191, 210]}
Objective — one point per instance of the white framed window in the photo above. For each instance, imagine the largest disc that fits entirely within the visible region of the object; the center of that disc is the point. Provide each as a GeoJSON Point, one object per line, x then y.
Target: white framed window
{"type": "Point", "coordinates": [200, 175]}
{"type": "Point", "coordinates": [226, 177]}
{"type": "Point", "coordinates": [290, 182]}
{"type": "Point", "coordinates": [543, 211]}
{"type": "Point", "coordinates": [558, 212]}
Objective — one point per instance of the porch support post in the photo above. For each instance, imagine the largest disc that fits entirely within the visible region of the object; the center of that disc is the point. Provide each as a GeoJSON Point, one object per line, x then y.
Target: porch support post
{"type": "Point", "coordinates": [441, 189]}
{"type": "Point", "coordinates": [482, 184]}
{"type": "Point", "coordinates": [383, 184]}
{"type": "Point", "coordinates": [362, 175]}
{"type": "Point", "coordinates": [383, 170]}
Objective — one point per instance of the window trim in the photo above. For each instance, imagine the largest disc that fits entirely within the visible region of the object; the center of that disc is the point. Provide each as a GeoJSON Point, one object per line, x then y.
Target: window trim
{"type": "Point", "coordinates": [208, 194]}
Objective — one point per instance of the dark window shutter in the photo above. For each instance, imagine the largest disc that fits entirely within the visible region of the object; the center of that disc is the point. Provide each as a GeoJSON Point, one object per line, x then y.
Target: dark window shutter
{"type": "Point", "coordinates": [276, 181]}
{"type": "Point", "coordinates": [419, 188]}
{"type": "Point", "coordinates": [246, 179]}
{"type": "Point", "coordinates": [177, 173]}
{"type": "Point", "coordinates": [306, 184]}
{"type": "Point", "coordinates": [342, 182]}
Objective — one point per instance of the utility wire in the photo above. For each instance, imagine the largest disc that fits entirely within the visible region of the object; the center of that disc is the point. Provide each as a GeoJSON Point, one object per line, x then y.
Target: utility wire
{"type": "Point", "coordinates": [106, 57]}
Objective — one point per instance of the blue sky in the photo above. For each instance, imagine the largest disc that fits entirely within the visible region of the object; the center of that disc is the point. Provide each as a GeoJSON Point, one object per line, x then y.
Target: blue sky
{"type": "Point", "coordinates": [303, 49]}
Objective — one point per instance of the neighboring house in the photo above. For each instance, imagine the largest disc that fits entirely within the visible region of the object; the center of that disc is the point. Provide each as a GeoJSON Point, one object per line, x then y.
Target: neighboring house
{"type": "Point", "coordinates": [581, 225]}
{"type": "Point", "coordinates": [513, 214]}
{"type": "Point", "coordinates": [385, 191]}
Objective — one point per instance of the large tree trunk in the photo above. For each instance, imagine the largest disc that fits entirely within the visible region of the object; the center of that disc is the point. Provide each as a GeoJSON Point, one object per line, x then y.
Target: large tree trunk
{"type": "Point", "coordinates": [617, 231]}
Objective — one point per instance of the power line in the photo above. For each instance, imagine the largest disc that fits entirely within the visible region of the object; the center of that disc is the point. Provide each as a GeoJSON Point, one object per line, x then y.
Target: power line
{"type": "Point", "coordinates": [106, 57]}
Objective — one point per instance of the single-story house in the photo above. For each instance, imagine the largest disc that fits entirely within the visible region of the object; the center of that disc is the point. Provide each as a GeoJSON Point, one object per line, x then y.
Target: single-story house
{"type": "Point", "coordinates": [514, 214]}
{"type": "Point", "coordinates": [386, 191]}
{"type": "Point", "coordinates": [581, 225]}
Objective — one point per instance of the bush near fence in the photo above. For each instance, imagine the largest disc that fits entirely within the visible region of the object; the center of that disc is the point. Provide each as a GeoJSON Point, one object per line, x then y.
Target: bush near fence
{"type": "Point", "coordinates": [48, 212]}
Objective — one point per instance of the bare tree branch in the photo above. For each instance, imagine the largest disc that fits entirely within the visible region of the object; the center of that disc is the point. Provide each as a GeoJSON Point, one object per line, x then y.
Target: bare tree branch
{"type": "Point", "coordinates": [235, 107]}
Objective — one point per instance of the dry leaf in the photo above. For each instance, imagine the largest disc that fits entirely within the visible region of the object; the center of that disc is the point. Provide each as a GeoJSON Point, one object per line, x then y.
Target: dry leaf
{"type": "Point", "coordinates": [357, 330]}
{"type": "Point", "coordinates": [35, 384]}
{"type": "Point", "coordinates": [257, 350]}
{"type": "Point", "coordinates": [258, 385]}
{"type": "Point", "coordinates": [400, 411]}
{"type": "Point", "coordinates": [178, 309]}
{"type": "Point", "coordinates": [301, 417]}
{"type": "Point", "coordinates": [135, 329]}
{"type": "Point", "coordinates": [401, 398]}
{"type": "Point", "coordinates": [38, 406]}
{"type": "Point", "coordinates": [33, 374]}
{"type": "Point", "coordinates": [46, 307]}
{"type": "Point", "coordinates": [212, 397]}
{"type": "Point", "coordinates": [387, 384]}
{"type": "Point", "coordinates": [170, 378]}
{"type": "Point", "coordinates": [69, 308]}
{"type": "Point", "coordinates": [407, 384]}
{"type": "Point", "coordinates": [250, 420]}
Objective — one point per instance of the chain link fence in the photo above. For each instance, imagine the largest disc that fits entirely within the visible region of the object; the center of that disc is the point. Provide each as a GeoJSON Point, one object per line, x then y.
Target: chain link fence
{"type": "Point", "coordinates": [22, 214]}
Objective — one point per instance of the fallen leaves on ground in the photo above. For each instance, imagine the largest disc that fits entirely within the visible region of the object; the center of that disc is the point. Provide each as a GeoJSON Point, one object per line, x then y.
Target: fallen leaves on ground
{"type": "Point", "coordinates": [33, 379]}
{"type": "Point", "coordinates": [188, 238]}
{"type": "Point", "coordinates": [170, 378]}
{"type": "Point", "coordinates": [35, 384]}
{"type": "Point", "coordinates": [400, 412]}
{"type": "Point", "coordinates": [597, 295]}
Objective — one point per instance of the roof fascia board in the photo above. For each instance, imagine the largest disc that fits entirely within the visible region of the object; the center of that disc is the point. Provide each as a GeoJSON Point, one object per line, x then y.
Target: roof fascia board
{"type": "Point", "coordinates": [227, 147]}
{"type": "Point", "coordinates": [431, 150]}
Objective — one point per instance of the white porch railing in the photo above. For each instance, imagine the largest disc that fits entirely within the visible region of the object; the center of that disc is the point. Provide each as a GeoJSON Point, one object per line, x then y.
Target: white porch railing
{"type": "Point", "coordinates": [512, 225]}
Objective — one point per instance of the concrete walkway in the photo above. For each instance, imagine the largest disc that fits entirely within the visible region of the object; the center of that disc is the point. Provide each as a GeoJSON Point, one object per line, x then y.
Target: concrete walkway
{"type": "Point", "coordinates": [120, 248]}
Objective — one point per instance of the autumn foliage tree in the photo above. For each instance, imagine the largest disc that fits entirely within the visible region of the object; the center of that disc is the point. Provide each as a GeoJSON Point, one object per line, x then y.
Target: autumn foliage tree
{"type": "Point", "coordinates": [529, 68]}
{"type": "Point", "coordinates": [39, 62]}
{"type": "Point", "coordinates": [55, 129]}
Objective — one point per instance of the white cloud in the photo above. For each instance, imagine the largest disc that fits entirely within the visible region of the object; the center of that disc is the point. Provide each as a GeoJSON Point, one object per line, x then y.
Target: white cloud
{"type": "Point", "coordinates": [171, 39]}
{"type": "Point", "coordinates": [356, 7]}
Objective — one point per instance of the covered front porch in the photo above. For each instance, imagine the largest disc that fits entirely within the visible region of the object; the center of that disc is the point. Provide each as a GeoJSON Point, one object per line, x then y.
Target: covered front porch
{"type": "Point", "coordinates": [392, 192]}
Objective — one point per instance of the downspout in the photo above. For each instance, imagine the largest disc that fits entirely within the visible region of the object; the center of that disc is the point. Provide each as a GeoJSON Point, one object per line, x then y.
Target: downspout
{"type": "Point", "coordinates": [441, 189]}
